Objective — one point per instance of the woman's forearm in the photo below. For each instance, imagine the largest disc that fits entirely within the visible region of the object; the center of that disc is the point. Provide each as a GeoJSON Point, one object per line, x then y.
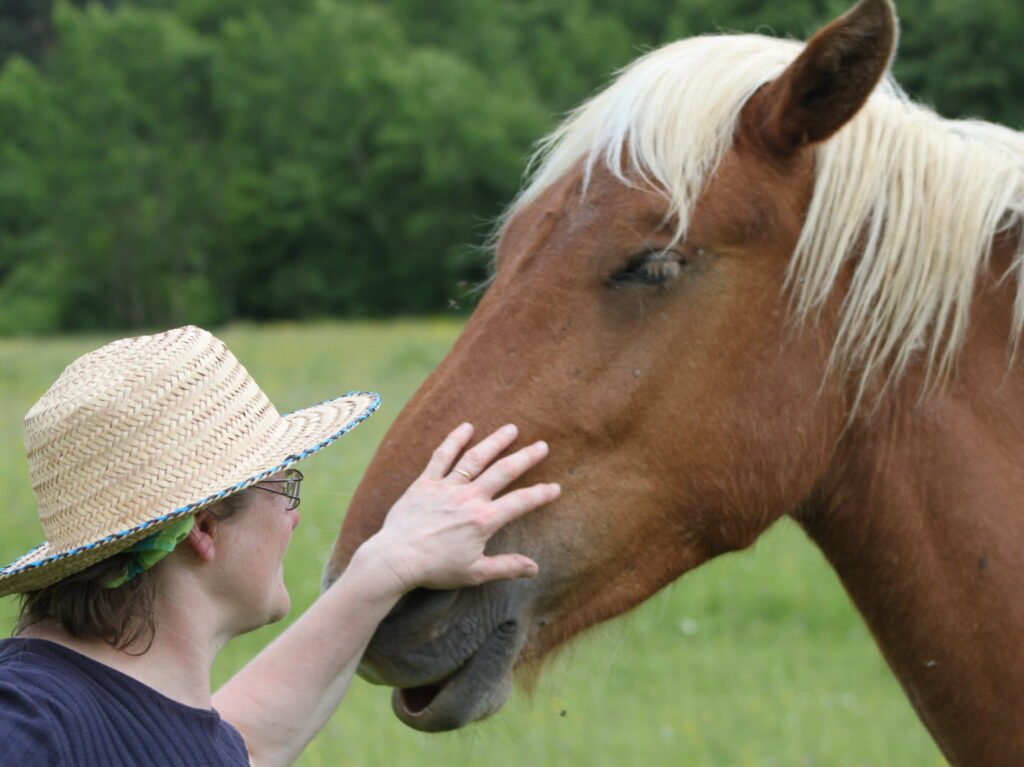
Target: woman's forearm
{"type": "Point", "coordinates": [285, 695]}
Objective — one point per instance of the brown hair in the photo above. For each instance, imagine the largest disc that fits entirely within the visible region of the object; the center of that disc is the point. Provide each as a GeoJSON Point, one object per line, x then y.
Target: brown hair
{"type": "Point", "coordinates": [86, 609]}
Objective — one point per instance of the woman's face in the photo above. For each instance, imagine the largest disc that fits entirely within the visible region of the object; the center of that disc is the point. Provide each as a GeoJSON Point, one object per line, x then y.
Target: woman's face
{"type": "Point", "coordinates": [250, 545]}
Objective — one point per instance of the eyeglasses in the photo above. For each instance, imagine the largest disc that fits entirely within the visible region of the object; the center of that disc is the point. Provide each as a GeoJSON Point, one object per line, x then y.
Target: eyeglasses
{"type": "Point", "coordinates": [289, 487]}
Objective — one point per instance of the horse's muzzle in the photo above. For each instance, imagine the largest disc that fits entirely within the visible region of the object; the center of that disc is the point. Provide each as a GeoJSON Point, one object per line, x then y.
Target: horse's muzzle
{"type": "Point", "coordinates": [449, 654]}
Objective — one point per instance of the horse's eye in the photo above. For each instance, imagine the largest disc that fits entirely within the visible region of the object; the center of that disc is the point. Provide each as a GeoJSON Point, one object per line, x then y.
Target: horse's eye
{"type": "Point", "coordinates": [657, 268]}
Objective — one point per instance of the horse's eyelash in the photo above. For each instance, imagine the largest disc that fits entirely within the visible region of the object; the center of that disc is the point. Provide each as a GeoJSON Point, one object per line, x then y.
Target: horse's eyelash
{"type": "Point", "coordinates": [656, 267]}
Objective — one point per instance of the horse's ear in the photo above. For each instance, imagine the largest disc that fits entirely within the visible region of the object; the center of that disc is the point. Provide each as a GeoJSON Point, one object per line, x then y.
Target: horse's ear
{"type": "Point", "coordinates": [829, 82]}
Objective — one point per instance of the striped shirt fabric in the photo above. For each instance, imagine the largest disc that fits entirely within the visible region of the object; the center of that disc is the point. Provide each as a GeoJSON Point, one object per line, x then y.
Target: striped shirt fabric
{"type": "Point", "coordinates": [59, 708]}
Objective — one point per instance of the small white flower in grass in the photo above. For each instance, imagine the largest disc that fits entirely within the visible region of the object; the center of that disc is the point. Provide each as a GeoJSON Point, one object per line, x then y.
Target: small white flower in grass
{"type": "Point", "coordinates": [687, 627]}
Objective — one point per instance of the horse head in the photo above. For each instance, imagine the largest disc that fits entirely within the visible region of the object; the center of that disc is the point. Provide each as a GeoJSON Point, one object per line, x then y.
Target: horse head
{"type": "Point", "coordinates": [676, 308]}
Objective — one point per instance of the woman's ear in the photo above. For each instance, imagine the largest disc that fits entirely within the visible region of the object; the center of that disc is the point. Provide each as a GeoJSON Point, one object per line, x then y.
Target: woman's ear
{"type": "Point", "coordinates": [203, 535]}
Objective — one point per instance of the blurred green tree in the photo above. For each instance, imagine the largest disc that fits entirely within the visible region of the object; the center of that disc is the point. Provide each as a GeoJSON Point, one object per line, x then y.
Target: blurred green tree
{"type": "Point", "coordinates": [110, 139]}
{"type": "Point", "coordinates": [166, 161]}
{"type": "Point", "coordinates": [356, 165]}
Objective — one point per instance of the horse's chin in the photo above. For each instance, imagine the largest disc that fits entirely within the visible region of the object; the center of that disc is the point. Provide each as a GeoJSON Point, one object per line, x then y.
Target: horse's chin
{"type": "Point", "coordinates": [472, 692]}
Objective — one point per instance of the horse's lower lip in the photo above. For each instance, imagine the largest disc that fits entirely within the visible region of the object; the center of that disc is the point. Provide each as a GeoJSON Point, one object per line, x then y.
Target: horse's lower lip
{"type": "Point", "coordinates": [416, 700]}
{"type": "Point", "coordinates": [473, 691]}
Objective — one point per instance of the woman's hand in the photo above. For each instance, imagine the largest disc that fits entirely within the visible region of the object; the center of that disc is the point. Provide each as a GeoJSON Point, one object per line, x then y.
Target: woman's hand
{"type": "Point", "coordinates": [435, 534]}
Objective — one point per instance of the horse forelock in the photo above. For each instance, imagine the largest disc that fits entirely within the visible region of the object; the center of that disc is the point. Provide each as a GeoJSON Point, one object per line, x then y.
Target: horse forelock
{"type": "Point", "coordinates": [667, 119]}
{"type": "Point", "coordinates": [913, 200]}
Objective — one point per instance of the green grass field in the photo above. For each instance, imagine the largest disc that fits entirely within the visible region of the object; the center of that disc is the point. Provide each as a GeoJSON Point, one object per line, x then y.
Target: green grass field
{"type": "Point", "coordinates": [755, 660]}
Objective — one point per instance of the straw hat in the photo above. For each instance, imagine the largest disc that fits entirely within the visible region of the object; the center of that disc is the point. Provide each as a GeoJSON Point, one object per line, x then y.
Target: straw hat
{"type": "Point", "coordinates": [146, 430]}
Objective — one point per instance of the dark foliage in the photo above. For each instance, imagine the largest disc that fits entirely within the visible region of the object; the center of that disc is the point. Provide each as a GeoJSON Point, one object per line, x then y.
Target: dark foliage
{"type": "Point", "coordinates": [171, 161]}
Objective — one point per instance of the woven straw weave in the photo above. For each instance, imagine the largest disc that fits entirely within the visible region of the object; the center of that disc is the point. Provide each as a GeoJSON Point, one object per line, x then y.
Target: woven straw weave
{"type": "Point", "coordinates": [134, 435]}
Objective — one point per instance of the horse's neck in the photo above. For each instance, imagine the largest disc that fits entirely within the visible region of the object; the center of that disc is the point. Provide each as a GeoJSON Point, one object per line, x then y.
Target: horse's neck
{"type": "Point", "coordinates": [923, 520]}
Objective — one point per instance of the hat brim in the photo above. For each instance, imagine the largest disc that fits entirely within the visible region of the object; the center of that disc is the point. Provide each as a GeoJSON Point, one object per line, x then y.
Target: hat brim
{"type": "Point", "coordinates": [304, 433]}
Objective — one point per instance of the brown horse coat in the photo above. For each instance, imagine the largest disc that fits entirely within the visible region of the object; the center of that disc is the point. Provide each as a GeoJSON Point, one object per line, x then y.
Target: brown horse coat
{"type": "Point", "coordinates": [717, 341]}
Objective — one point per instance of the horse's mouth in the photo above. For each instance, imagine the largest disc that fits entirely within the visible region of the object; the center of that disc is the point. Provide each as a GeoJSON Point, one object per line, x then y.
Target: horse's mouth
{"type": "Point", "coordinates": [473, 691]}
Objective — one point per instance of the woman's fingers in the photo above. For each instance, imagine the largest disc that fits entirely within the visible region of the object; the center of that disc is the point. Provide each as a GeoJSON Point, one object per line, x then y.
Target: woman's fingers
{"type": "Point", "coordinates": [502, 567]}
{"type": "Point", "coordinates": [510, 468]}
{"type": "Point", "coordinates": [437, 532]}
{"type": "Point", "coordinates": [519, 502]}
{"type": "Point", "coordinates": [444, 455]}
{"type": "Point", "coordinates": [480, 456]}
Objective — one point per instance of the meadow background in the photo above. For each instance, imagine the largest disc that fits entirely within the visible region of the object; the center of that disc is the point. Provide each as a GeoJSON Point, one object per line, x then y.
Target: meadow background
{"type": "Point", "coordinates": [755, 660]}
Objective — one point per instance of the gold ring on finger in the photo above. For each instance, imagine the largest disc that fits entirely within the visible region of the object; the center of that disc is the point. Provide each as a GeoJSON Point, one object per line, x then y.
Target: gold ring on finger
{"type": "Point", "coordinates": [466, 474]}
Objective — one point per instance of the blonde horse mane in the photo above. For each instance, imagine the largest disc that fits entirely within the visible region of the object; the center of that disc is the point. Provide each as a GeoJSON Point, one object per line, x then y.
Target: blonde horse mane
{"type": "Point", "coordinates": [914, 197]}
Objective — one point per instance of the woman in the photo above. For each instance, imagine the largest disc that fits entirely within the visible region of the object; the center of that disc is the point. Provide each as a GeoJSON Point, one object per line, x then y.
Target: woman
{"type": "Point", "coordinates": [167, 489]}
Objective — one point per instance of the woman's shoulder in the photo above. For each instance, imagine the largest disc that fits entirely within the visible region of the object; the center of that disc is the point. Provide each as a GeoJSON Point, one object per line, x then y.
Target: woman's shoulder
{"type": "Point", "coordinates": [38, 663]}
{"type": "Point", "coordinates": [33, 702]}
{"type": "Point", "coordinates": [78, 702]}
{"type": "Point", "coordinates": [33, 663]}
{"type": "Point", "coordinates": [46, 680]}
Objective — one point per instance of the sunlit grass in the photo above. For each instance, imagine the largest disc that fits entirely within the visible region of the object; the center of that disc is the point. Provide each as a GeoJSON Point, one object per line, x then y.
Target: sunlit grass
{"type": "Point", "coordinates": [755, 660]}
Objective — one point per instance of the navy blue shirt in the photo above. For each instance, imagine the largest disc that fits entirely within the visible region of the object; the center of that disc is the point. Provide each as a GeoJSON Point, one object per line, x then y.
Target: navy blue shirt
{"type": "Point", "coordinates": [58, 707]}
